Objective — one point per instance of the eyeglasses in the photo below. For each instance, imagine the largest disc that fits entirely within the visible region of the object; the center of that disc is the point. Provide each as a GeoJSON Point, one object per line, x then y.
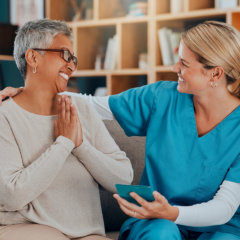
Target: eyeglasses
{"type": "Point", "coordinates": [65, 54]}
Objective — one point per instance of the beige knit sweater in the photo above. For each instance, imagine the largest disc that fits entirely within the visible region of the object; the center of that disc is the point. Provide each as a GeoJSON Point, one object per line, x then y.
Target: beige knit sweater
{"type": "Point", "coordinates": [46, 181]}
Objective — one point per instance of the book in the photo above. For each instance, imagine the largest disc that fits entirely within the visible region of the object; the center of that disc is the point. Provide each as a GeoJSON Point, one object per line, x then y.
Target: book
{"type": "Point", "coordinates": [226, 3]}
{"type": "Point", "coordinates": [113, 61]}
{"type": "Point", "coordinates": [108, 54]}
{"type": "Point", "coordinates": [111, 54]}
{"type": "Point", "coordinates": [137, 9]}
{"type": "Point", "coordinates": [169, 41]}
{"type": "Point", "coordinates": [165, 47]}
{"type": "Point", "coordinates": [175, 38]}
{"type": "Point", "coordinates": [176, 6]}
{"type": "Point", "coordinates": [25, 10]}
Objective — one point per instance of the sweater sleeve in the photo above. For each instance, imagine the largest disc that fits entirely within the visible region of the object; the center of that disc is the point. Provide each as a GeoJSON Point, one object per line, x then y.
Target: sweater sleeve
{"type": "Point", "coordinates": [102, 157]}
{"type": "Point", "coordinates": [20, 184]}
{"type": "Point", "coordinates": [217, 211]}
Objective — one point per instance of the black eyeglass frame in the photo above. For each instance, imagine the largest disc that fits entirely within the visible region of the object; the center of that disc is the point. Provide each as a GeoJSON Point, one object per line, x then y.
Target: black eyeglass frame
{"type": "Point", "coordinates": [62, 51]}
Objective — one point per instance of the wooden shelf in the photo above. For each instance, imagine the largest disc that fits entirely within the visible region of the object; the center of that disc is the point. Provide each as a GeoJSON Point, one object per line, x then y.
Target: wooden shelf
{"type": "Point", "coordinates": [94, 23]}
{"type": "Point", "coordinates": [135, 35]}
{"type": "Point", "coordinates": [130, 72]}
{"type": "Point", "coordinates": [6, 57]}
{"type": "Point", "coordinates": [163, 68]}
{"type": "Point", "coordinates": [193, 14]}
{"type": "Point", "coordinates": [90, 73]}
{"type": "Point", "coordinates": [93, 73]}
{"type": "Point", "coordinates": [107, 22]}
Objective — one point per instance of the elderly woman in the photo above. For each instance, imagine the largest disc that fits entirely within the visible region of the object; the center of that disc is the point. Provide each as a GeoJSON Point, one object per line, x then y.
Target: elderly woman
{"type": "Point", "coordinates": [54, 152]}
{"type": "Point", "coordinates": [193, 138]}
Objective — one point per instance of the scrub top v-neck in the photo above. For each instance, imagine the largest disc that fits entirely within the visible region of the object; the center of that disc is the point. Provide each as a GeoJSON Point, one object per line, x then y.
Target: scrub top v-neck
{"type": "Point", "coordinates": [183, 167]}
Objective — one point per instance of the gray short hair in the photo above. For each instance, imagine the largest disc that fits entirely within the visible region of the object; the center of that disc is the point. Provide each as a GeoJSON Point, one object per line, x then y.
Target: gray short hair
{"type": "Point", "coordinates": [37, 34]}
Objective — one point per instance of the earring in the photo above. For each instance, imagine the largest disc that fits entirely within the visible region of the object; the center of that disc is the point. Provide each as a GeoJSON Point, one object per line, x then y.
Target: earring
{"type": "Point", "coordinates": [35, 69]}
{"type": "Point", "coordinates": [213, 84]}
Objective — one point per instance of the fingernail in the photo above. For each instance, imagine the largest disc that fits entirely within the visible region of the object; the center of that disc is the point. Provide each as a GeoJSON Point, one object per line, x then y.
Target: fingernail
{"type": "Point", "coordinates": [155, 193]}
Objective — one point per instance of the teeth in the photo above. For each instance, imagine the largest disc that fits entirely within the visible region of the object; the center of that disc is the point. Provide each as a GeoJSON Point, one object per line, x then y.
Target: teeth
{"type": "Point", "coordinates": [64, 75]}
{"type": "Point", "coordinates": [180, 79]}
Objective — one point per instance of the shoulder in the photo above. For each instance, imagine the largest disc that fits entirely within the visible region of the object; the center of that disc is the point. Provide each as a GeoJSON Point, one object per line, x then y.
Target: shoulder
{"type": "Point", "coordinates": [144, 97]}
{"type": "Point", "coordinates": [6, 107]}
{"type": "Point", "coordinates": [165, 90]}
{"type": "Point", "coordinates": [163, 85]}
{"type": "Point", "coordinates": [7, 112]}
{"type": "Point", "coordinates": [169, 87]}
{"type": "Point", "coordinates": [156, 87]}
{"type": "Point", "coordinates": [145, 93]}
{"type": "Point", "coordinates": [159, 88]}
{"type": "Point", "coordinates": [169, 98]}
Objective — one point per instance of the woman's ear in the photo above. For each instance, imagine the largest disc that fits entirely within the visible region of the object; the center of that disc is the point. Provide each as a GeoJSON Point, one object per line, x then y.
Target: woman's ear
{"type": "Point", "coordinates": [31, 57]}
{"type": "Point", "coordinates": [217, 73]}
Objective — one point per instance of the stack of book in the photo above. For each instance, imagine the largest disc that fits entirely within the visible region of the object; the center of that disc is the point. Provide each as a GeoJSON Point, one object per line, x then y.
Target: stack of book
{"type": "Point", "coordinates": [110, 62]}
{"type": "Point", "coordinates": [169, 40]}
{"type": "Point", "coordinates": [137, 9]}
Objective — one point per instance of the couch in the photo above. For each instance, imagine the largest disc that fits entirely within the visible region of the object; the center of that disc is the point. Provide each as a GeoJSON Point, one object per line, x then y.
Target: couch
{"type": "Point", "coordinates": [135, 150]}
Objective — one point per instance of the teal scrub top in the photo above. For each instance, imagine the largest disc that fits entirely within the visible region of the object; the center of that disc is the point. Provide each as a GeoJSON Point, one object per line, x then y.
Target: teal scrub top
{"type": "Point", "coordinates": [183, 167]}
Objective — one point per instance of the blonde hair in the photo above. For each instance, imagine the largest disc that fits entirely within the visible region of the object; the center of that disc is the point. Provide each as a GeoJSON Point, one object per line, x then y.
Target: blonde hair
{"type": "Point", "coordinates": [217, 44]}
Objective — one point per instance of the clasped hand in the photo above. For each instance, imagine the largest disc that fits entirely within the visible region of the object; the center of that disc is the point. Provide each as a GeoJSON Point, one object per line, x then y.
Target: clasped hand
{"type": "Point", "coordinates": [68, 124]}
{"type": "Point", "coordinates": [159, 208]}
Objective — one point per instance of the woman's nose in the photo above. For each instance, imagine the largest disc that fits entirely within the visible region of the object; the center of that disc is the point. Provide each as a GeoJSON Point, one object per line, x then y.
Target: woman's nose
{"type": "Point", "coordinates": [71, 66]}
{"type": "Point", "coordinates": [176, 68]}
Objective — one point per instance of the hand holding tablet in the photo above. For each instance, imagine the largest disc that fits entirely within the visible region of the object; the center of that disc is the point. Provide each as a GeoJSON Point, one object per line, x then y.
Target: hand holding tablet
{"type": "Point", "coordinates": [146, 192]}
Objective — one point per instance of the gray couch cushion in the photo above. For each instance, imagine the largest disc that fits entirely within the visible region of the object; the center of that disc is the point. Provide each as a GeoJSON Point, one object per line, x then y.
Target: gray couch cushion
{"type": "Point", "coordinates": [135, 150]}
{"type": "Point", "coordinates": [113, 235]}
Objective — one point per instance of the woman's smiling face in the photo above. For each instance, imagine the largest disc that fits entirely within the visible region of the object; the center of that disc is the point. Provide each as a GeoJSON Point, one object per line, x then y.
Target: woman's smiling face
{"type": "Point", "coordinates": [193, 78]}
{"type": "Point", "coordinates": [53, 67]}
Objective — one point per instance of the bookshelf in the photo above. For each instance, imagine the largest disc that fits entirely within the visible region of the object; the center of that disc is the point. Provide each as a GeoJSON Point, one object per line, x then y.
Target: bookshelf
{"type": "Point", "coordinates": [135, 35]}
{"type": "Point", "coordinates": [6, 58]}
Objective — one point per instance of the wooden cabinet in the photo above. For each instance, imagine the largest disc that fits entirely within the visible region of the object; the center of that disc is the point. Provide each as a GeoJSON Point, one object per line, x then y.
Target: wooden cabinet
{"type": "Point", "coordinates": [135, 35]}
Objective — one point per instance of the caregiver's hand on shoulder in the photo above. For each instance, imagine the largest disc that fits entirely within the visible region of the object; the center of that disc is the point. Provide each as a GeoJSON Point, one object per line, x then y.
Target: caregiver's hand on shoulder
{"type": "Point", "coordinates": [160, 208]}
{"type": "Point", "coordinates": [9, 92]}
{"type": "Point", "coordinates": [68, 123]}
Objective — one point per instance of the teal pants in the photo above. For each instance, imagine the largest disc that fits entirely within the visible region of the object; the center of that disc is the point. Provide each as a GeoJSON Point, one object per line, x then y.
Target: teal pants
{"type": "Point", "coordinates": [161, 229]}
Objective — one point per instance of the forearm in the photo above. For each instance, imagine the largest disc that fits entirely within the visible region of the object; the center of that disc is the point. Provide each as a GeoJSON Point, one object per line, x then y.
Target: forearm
{"type": "Point", "coordinates": [21, 186]}
{"type": "Point", "coordinates": [106, 168]}
{"type": "Point", "coordinates": [99, 153]}
{"type": "Point", "coordinates": [217, 211]}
